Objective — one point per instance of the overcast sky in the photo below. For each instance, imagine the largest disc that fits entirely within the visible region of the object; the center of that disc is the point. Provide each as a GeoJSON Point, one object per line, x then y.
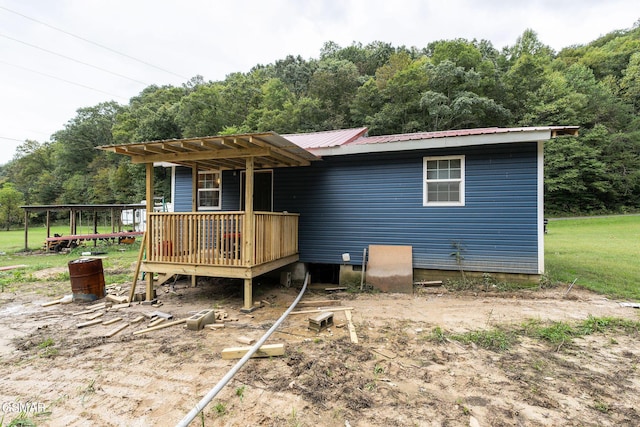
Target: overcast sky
{"type": "Point", "coordinates": [51, 64]}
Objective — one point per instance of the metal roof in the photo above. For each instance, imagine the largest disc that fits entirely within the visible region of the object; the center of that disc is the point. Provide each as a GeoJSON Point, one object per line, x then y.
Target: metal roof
{"type": "Point", "coordinates": [269, 150]}
{"type": "Point", "coordinates": [441, 139]}
{"type": "Point", "coordinates": [556, 130]}
{"type": "Point", "coordinates": [331, 138]}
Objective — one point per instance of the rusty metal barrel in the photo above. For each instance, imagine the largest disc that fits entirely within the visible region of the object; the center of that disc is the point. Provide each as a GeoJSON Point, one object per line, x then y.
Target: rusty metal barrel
{"type": "Point", "coordinates": [87, 279]}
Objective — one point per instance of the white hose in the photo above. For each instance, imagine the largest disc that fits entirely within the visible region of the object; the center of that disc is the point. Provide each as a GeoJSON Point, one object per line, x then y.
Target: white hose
{"type": "Point", "coordinates": [215, 390]}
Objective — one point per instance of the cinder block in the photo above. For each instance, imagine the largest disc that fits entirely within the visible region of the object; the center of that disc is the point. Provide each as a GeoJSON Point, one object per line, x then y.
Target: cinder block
{"type": "Point", "coordinates": [321, 321]}
{"type": "Point", "coordinates": [200, 319]}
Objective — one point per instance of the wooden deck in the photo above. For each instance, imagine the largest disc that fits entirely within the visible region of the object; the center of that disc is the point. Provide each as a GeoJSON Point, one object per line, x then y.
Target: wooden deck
{"type": "Point", "coordinates": [211, 244]}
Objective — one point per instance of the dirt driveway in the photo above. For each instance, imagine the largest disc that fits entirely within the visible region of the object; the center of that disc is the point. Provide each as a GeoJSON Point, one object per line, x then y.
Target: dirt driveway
{"type": "Point", "coordinates": [404, 371]}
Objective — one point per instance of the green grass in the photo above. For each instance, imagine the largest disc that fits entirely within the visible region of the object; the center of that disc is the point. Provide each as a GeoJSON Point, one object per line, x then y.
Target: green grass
{"type": "Point", "coordinates": [602, 253]}
{"type": "Point", "coordinates": [13, 240]}
{"type": "Point", "coordinates": [118, 261]}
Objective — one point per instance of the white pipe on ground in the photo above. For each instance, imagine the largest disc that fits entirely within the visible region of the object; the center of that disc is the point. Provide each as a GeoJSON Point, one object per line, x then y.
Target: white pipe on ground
{"type": "Point", "coordinates": [215, 390]}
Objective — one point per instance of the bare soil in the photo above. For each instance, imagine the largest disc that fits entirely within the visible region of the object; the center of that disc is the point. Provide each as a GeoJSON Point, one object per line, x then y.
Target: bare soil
{"type": "Point", "coordinates": [395, 375]}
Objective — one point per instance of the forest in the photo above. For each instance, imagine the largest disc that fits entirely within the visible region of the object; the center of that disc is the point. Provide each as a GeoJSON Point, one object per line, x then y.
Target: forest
{"type": "Point", "coordinates": [449, 84]}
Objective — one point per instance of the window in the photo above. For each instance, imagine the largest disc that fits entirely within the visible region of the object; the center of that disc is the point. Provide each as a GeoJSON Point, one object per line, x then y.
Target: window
{"type": "Point", "coordinates": [209, 189]}
{"type": "Point", "coordinates": [443, 181]}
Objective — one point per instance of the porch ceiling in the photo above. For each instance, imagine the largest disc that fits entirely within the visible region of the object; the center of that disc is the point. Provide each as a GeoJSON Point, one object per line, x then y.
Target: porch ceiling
{"type": "Point", "coordinates": [269, 150]}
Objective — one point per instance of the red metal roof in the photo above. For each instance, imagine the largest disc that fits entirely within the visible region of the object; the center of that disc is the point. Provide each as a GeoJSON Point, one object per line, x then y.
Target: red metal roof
{"type": "Point", "coordinates": [352, 137]}
{"type": "Point", "coordinates": [456, 133]}
{"type": "Point", "coordinates": [325, 139]}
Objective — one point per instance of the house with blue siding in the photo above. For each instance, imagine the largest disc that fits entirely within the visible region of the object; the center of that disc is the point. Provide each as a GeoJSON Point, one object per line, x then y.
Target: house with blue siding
{"type": "Point", "coordinates": [467, 200]}
{"type": "Point", "coordinates": [477, 191]}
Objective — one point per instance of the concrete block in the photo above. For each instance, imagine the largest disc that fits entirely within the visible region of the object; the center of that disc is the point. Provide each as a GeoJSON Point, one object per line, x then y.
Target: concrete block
{"type": "Point", "coordinates": [200, 319]}
{"type": "Point", "coordinates": [321, 321]}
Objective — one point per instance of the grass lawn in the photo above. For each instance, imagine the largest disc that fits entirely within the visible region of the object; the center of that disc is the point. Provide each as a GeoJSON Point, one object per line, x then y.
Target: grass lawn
{"type": "Point", "coordinates": [118, 260]}
{"type": "Point", "coordinates": [603, 253]}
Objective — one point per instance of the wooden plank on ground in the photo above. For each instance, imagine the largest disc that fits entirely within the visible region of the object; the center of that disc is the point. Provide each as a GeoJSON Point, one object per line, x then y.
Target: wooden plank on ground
{"type": "Point", "coordinates": [164, 325]}
{"type": "Point", "coordinates": [117, 299]}
{"type": "Point", "coordinates": [352, 329]}
{"type": "Point", "coordinates": [112, 321]}
{"type": "Point", "coordinates": [12, 267]}
{"type": "Point", "coordinates": [89, 323]}
{"type": "Point", "coordinates": [319, 310]}
{"type": "Point", "coordinates": [119, 306]}
{"type": "Point", "coordinates": [319, 303]}
{"type": "Point", "coordinates": [95, 315]}
{"type": "Point", "coordinates": [115, 330]}
{"type": "Point", "coordinates": [267, 350]}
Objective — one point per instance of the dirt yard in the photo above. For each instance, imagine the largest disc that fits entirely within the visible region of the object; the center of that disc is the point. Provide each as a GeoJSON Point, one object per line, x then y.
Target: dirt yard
{"type": "Point", "coordinates": [404, 371]}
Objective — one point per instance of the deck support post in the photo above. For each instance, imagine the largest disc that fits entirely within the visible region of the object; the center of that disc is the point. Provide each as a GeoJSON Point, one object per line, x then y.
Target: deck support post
{"type": "Point", "coordinates": [248, 296]}
{"type": "Point", "coordinates": [147, 242]}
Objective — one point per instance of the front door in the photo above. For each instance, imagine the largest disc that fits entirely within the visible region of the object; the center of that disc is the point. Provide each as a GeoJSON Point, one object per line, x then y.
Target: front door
{"type": "Point", "coordinates": [262, 191]}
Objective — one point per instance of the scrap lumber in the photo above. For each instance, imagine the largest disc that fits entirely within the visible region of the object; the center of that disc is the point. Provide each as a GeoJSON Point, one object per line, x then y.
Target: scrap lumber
{"type": "Point", "coordinates": [245, 340]}
{"type": "Point", "coordinates": [97, 306]}
{"type": "Point", "coordinates": [339, 288]}
{"type": "Point", "coordinates": [112, 321]}
{"type": "Point", "coordinates": [115, 330]}
{"type": "Point", "coordinates": [95, 316]}
{"type": "Point", "coordinates": [267, 350]}
{"type": "Point", "coordinates": [117, 299]}
{"type": "Point", "coordinates": [138, 319]}
{"type": "Point", "coordinates": [428, 283]}
{"type": "Point", "coordinates": [352, 329]}
{"type": "Point", "coordinates": [64, 300]}
{"type": "Point", "coordinates": [215, 326]}
{"type": "Point", "coordinates": [164, 325]}
{"type": "Point", "coordinates": [12, 267]}
{"type": "Point", "coordinates": [50, 303]}
{"type": "Point", "coordinates": [89, 323]}
{"type": "Point", "coordinates": [115, 307]}
{"type": "Point", "coordinates": [322, 309]}
{"type": "Point", "coordinates": [132, 291]}
{"type": "Point", "coordinates": [319, 303]}
{"type": "Point", "coordinates": [157, 322]}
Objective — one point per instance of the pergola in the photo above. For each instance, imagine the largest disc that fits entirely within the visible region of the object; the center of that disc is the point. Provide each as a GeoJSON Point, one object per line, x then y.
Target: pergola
{"type": "Point", "coordinates": [233, 152]}
{"type": "Point", "coordinates": [115, 211]}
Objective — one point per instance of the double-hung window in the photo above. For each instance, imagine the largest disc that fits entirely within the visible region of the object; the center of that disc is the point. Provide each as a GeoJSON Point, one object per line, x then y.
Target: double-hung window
{"type": "Point", "coordinates": [209, 190]}
{"type": "Point", "coordinates": [443, 181]}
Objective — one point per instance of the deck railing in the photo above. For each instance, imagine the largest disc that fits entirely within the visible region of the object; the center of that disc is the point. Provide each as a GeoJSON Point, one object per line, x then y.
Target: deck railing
{"type": "Point", "coordinates": [215, 239]}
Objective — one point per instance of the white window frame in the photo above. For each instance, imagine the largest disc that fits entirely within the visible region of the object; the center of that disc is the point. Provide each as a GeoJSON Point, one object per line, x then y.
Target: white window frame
{"type": "Point", "coordinates": [218, 189]}
{"type": "Point", "coordinates": [461, 181]}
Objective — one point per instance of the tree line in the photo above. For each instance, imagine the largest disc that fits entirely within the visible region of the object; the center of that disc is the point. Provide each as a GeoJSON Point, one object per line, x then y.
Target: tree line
{"type": "Point", "coordinates": [449, 84]}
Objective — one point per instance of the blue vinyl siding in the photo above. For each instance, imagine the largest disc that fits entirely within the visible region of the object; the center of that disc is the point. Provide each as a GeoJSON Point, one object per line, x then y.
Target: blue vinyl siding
{"type": "Point", "coordinates": [347, 203]}
{"type": "Point", "coordinates": [182, 197]}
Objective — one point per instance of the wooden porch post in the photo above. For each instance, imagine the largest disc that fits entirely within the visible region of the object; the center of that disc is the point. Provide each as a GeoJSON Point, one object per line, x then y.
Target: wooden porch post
{"type": "Point", "coordinates": [194, 205]}
{"type": "Point", "coordinates": [48, 223]}
{"type": "Point", "coordinates": [26, 231]}
{"type": "Point", "coordinates": [248, 234]}
{"type": "Point", "coordinates": [194, 188]}
{"type": "Point", "coordinates": [149, 206]}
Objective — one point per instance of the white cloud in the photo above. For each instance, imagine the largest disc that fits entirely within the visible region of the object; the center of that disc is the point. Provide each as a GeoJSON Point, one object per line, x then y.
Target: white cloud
{"type": "Point", "coordinates": [214, 38]}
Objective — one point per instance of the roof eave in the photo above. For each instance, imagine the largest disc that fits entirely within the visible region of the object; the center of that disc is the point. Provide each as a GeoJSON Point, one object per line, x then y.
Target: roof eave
{"type": "Point", "coordinates": [526, 135]}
